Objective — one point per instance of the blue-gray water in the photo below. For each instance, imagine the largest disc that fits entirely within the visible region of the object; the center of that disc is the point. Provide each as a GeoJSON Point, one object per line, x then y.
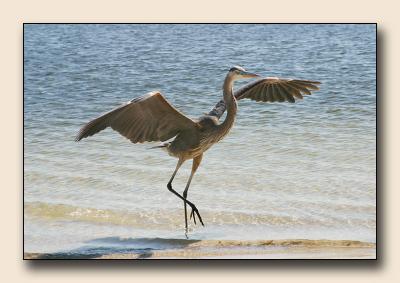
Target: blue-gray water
{"type": "Point", "coordinates": [304, 170]}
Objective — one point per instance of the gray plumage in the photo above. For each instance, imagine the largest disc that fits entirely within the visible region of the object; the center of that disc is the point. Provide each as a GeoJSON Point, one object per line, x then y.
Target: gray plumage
{"type": "Point", "coordinates": [152, 118]}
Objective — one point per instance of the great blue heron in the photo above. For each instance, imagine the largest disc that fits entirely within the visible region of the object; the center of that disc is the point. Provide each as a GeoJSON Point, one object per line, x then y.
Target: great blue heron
{"type": "Point", "coordinates": [152, 118]}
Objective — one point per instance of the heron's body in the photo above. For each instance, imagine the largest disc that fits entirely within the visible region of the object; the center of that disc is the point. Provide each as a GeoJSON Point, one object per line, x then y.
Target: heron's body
{"type": "Point", "coordinates": [190, 144]}
{"type": "Point", "coordinates": [152, 118]}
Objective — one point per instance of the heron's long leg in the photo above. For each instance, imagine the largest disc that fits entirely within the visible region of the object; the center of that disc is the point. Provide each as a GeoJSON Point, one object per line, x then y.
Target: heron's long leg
{"type": "Point", "coordinates": [169, 186]}
{"type": "Point", "coordinates": [195, 165]}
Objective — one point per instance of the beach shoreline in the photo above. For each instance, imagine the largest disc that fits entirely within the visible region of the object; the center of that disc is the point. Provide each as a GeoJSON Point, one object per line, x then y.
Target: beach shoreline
{"type": "Point", "coordinates": [227, 249]}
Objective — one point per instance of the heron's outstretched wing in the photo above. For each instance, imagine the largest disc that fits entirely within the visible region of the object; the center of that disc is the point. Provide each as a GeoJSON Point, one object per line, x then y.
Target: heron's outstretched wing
{"type": "Point", "coordinates": [276, 90]}
{"type": "Point", "coordinates": [270, 90]}
{"type": "Point", "coordinates": [147, 118]}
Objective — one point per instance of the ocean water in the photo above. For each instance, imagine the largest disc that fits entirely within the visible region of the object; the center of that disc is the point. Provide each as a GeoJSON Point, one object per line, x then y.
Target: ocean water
{"type": "Point", "coordinates": [285, 171]}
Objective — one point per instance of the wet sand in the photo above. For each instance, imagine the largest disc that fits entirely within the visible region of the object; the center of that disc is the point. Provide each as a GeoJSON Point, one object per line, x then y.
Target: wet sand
{"type": "Point", "coordinates": [226, 249]}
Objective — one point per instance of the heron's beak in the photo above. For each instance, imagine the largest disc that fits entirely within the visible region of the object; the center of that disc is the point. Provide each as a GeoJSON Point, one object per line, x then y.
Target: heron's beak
{"type": "Point", "coordinates": [249, 75]}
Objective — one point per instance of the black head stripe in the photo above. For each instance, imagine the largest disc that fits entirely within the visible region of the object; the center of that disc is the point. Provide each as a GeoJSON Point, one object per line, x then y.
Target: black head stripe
{"type": "Point", "coordinates": [234, 69]}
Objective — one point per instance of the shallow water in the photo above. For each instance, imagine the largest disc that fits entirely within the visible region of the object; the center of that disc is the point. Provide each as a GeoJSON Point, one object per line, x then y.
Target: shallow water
{"type": "Point", "coordinates": [286, 171]}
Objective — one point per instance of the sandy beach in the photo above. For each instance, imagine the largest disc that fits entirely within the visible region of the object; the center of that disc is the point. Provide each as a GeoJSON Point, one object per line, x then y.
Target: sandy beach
{"type": "Point", "coordinates": [225, 249]}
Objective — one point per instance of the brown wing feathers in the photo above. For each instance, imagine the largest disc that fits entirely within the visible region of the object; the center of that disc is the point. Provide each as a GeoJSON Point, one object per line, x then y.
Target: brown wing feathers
{"type": "Point", "coordinates": [276, 90]}
{"type": "Point", "coordinates": [152, 118]}
{"type": "Point", "coordinates": [270, 90]}
{"type": "Point", "coordinates": [147, 118]}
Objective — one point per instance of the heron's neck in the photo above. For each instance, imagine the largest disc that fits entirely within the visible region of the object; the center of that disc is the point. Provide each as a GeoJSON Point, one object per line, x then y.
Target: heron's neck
{"type": "Point", "coordinates": [231, 105]}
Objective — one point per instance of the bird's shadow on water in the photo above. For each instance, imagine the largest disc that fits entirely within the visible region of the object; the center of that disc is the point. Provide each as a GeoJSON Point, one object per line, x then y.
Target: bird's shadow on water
{"type": "Point", "coordinates": [138, 248]}
{"type": "Point", "coordinates": [73, 260]}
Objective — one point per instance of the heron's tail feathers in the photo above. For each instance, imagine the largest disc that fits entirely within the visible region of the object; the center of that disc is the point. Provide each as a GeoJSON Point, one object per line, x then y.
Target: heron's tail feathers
{"type": "Point", "coordinates": [159, 146]}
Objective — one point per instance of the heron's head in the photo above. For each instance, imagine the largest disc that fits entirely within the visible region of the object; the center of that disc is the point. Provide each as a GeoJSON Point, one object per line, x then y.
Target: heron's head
{"type": "Point", "coordinates": [237, 73]}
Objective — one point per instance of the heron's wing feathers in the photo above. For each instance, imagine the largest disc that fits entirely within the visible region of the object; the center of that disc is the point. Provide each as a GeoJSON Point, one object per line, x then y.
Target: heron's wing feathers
{"type": "Point", "coordinates": [270, 90]}
{"type": "Point", "coordinates": [276, 90]}
{"type": "Point", "coordinates": [147, 118]}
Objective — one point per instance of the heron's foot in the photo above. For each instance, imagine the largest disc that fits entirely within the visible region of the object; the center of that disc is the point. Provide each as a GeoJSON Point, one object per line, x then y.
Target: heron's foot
{"type": "Point", "coordinates": [194, 212]}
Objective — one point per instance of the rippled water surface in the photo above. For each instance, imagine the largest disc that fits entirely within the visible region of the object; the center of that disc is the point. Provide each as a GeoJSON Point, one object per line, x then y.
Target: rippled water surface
{"type": "Point", "coordinates": [304, 170]}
